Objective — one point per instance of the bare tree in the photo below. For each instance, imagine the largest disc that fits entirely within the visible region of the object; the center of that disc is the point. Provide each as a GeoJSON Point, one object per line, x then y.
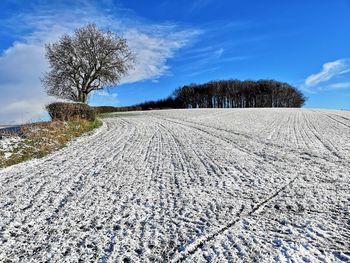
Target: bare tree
{"type": "Point", "coordinates": [86, 61]}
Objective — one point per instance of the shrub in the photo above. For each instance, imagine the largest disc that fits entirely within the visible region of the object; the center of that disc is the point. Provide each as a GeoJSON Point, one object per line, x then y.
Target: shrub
{"type": "Point", "coordinates": [69, 111]}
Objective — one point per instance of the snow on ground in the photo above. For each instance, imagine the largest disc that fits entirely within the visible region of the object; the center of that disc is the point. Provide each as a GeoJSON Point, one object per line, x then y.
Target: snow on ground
{"type": "Point", "coordinates": [8, 144]}
{"type": "Point", "coordinates": [223, 185]}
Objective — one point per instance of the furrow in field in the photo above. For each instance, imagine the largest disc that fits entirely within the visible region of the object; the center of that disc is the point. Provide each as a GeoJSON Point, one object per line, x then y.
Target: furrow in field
{"type": "Point", "coordinates": [251, 144]}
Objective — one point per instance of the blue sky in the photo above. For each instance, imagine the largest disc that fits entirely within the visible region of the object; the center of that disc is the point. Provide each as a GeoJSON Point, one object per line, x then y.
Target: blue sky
{"type": "Point", "coordinates": [304, 43]}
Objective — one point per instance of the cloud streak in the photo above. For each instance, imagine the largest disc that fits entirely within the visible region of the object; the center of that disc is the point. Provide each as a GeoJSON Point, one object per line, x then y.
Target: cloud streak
{"type": "Point", "coordinates": [340, 85]}
{"type": "Point", "coordinates": [329, 71]}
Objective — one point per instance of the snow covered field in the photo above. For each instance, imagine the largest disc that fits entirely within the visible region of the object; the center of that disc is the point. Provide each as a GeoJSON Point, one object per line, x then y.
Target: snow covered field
{"type": "Point", "coordinates": [224, 185]}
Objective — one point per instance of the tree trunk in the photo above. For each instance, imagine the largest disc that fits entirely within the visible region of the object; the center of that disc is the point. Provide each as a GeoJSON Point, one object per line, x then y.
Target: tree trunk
{"type": "Point", "coordinates": [82, 97]}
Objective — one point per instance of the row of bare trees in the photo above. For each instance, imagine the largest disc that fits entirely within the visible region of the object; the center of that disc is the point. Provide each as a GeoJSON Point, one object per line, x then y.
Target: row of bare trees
{"type": "Point", "coordinates": [231, 94]}
{"type": "Point", "coordinates": [239, 94]}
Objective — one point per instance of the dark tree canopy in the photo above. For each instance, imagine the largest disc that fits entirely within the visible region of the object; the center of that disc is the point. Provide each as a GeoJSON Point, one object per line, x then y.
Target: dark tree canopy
{"type": "Point", "coordinates": [86, 61]}
{"type": "Point", "coordinates": [232, 94]}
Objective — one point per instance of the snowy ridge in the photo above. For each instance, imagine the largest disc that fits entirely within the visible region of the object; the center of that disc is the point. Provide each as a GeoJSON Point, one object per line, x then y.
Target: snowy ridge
{"type": "Point", "coordinates": [222, 185]}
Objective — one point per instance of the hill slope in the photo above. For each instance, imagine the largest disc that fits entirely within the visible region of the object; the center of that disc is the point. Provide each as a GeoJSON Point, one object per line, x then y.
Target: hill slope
{"type": "Point", "coordinates": [233, 185]}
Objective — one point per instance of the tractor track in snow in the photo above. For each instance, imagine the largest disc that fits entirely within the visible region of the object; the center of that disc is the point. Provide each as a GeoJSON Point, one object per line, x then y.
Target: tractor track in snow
{"type": "Point", "coordinates": [208, 185]}
{"type": "Point", "coordinates": [239, 216]}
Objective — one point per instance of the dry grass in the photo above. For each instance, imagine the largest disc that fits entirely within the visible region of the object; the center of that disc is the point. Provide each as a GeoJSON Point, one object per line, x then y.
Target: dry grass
{"type": "Point", "coordinates": [40, 139]}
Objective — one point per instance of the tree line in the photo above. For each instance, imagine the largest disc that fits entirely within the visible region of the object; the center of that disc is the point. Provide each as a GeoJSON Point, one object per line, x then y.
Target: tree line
{"type": "Point", "coordinates": [231, 94]}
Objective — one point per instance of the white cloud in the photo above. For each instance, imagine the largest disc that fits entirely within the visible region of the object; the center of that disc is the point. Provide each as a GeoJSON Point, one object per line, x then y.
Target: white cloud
{"type": "Point", "coordinates": [22, 64]}
{"type": "Point", "coordinates": [218, 53]}
{"type": "Point", "coordinates": [340, 85]}
{"type": "Point", "coordinates": [22, 96]}
{"type": "Point", "coordinates": [152, 50]}
{"type": "Point", "coordinates": [329, 70]}
{"type": "Point", "coordinates": [104, 93]}
{"type": "Point", "coordinates": [344, 71]}
{"type": "Point", "coordinates": [199, 5]}
{"type": "Point", "coordinates": [23, 111]}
